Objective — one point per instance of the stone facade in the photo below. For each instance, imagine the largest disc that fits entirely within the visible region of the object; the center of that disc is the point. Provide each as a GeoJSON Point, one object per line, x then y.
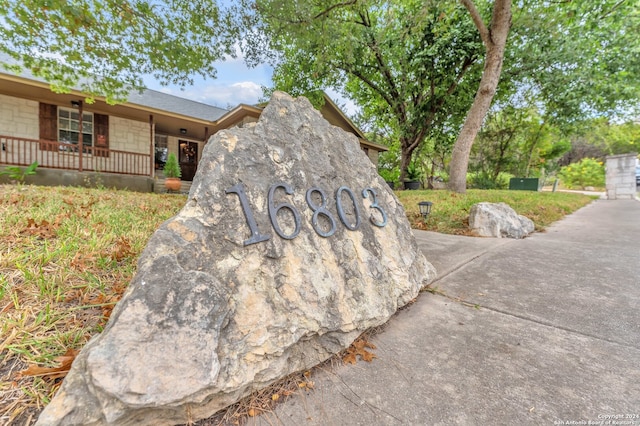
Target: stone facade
{"type": "Point", "coordinates": [128, 135]}
{"type": "Point", "coordinates": [18, 117]}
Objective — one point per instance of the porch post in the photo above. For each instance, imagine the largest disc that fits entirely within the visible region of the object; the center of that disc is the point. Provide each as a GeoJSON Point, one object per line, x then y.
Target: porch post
{"type": "Point", "coordinates": [151, 146]}
{"type": "Point", "coordinates": [80, 136]}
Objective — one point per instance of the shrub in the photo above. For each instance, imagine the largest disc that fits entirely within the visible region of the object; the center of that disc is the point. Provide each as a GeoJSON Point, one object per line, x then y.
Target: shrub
{"type": "Point", "coordinates": [413, 172]}
{"type": "Point", "coordinates": [172, 168]}
{"type": "Point", "coordinates": [18, 174]}
{"type": "Point", "coordinates": [392, 175]}
{"type": "Point", "coordinates": [482, 180]}
{"type": "Point", "coordinates": [588, 172]}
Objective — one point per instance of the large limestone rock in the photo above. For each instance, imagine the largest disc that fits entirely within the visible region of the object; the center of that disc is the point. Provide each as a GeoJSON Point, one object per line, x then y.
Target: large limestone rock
{"type": "Point", "coordinates": [498, 220]}
{"type": "Point", "coordinates": [229, 298]}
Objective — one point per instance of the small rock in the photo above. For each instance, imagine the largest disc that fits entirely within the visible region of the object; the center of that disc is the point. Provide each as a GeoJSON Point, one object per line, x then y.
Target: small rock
{"type": "Point", "coordinates": [498, 220]}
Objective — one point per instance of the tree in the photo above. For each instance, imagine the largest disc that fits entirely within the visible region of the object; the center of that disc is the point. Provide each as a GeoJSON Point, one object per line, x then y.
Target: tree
{"type": "Point", "coordinates": [494, 38]}
{"type": "Point", "coordinates": [412, 65]}
{"type": "Point", "coordinates": [574, 60]}
{"type": "Point", "coordinates": [599, 138]}
{"type": "Point", "coordinates": [518, 141]}
{"type": "Point", "coordinates": [105, 47]}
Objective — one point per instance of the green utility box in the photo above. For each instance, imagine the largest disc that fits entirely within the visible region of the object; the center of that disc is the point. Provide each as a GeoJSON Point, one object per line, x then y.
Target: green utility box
{"type": "Point", "coordinates": [524, 184]}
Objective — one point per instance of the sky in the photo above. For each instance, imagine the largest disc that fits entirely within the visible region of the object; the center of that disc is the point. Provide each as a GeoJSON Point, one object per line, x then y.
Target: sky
{"type": "Point", "coordinates": [235, 84]}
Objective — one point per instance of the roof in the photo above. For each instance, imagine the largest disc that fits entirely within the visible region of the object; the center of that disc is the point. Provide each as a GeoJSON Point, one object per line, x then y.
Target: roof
{"type": "Point", "coordinates": [177, 105]}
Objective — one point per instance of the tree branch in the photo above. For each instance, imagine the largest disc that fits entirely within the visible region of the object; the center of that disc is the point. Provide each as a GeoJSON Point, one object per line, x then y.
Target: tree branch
{"type": "Point", "coordinates": [485, 35]}
{"type": "Point", "coordinates": [388, 99]}
{"type": "Point", "coordinates": [615, 6]}
{"type": "Point", "coordinates": [335, 6]}
{"type": "Point", "coordinates": [387, 75]}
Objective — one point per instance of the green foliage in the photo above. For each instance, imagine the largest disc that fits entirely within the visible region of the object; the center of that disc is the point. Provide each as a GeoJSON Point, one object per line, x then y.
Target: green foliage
{"type": "Point", "coordinates": [481, 180]}
{"type": "Point", "coordinates": [171, 167]}
{"type": "Point", "coordinates": [19, 174]}
{"type": "Point", "coordinates": [413, 172]}
{"type": "Point", "coordinates": [518, 141]}
{"type": "Point", "coordinates": [412, 67]}
{"type": "Point", "coordinates": [609, 138]}
{"type": "Point", "coordinates": [390, 175]}
{"type": "Point", "coordinates": [588, 172]}
{"type": "Point", "coordinates": [104, 48]}
{"type": "Point", "coordinates": [575, 59]}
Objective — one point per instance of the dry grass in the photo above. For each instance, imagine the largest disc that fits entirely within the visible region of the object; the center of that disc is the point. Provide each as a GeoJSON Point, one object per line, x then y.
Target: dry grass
{"type": "Point", "coordinates": [68, 254]}
{"type": "Point", "coordinates": [66, 257]}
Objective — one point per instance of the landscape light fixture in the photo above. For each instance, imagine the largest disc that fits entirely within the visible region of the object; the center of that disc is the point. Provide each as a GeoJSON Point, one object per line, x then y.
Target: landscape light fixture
{"type": "Point", "coordinates": [425, 209]}
{"type": "Point", "coordinates": [183, 131]}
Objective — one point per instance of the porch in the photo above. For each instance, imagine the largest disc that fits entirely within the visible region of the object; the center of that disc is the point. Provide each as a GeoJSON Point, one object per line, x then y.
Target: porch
{"type": "Point", "coordinates": [59, 155]}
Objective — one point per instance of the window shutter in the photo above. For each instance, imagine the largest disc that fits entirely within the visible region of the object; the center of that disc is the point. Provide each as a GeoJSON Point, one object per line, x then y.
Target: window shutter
{"type": "Point", "coordinates": [48, 127]}
{"type": "Point", "coordinates": [101, 134]}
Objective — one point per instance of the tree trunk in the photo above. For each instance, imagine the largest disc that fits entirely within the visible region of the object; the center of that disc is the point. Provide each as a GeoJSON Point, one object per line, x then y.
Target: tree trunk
{"type": "Point", "coordinates": [406, 152]}
{"type": "Point", "coordinates": [494, 39]}
{"type": "Point", "coordinates": [533, 147]}
{"type": "Point", "coordinates": [405, 159]}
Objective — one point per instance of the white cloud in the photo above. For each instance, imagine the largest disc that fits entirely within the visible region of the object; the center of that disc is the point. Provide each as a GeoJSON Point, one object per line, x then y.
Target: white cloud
{"type": "Point", "coordinates": [221, 95]}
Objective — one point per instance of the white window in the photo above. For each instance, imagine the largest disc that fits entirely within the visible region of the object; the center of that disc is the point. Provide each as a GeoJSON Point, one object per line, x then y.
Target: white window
{"type": "Point", "coordinates": [69, 127]}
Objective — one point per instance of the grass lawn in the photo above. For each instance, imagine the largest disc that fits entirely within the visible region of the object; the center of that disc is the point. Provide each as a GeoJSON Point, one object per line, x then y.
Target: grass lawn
{"type": "Point", "coordinates": [450, 211]}
{"type": "Point", "coordinates": [67, 255]}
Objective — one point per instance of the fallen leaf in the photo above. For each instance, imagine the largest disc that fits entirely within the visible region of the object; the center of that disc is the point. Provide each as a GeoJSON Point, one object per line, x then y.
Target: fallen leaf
{"type": "Point", "coordinates": [367, 356]}
{"type": "Point", "coordinates": [357, 349]}
{"type": "Point", "coordinates": [350, 358]}
{"type": "Point", "coordinates": [122, 249]}
{"type": "Point", "coordinates": [275, 397]}
{"type": "Point", "coordinates": [252, 412]}
{"type": "Point", "coordinates": [83, 261]}
{"type": "Point", "coordinates": [52, 372]}
{"type": "Point", "coordinates": [43, 229]}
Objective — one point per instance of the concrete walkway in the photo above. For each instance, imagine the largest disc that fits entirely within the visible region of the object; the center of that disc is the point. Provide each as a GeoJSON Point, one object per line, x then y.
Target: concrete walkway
{"type": "Point", "coordinates": [539, 331]}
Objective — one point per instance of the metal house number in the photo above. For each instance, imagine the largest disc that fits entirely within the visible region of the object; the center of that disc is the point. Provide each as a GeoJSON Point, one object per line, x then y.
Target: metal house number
{"type": "Point", "coordinates": [319, 210]}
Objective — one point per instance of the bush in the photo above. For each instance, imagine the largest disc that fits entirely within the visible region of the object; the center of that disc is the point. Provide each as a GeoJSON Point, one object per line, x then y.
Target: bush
{"type": "Point", "coordinates": [18, 174]}
{"type": "Point", "coordinates": [484, 181]}
{"type": "Point", "coordinates": [413, 172]}
{"type": "Point", "coordinates": [392, 175]}
{"type": "Point", "coordinates": [588, 172]}
{"type": "Point", "coordinates": [172, 168]}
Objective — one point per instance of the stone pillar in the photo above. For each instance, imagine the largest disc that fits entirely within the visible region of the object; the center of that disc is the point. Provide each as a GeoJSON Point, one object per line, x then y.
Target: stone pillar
{"type": "Point", "coordinates": [620, 176]}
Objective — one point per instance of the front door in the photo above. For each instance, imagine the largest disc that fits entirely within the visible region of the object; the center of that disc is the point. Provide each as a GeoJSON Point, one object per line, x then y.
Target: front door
{"type": "Point", "coordinates": [188, 159]}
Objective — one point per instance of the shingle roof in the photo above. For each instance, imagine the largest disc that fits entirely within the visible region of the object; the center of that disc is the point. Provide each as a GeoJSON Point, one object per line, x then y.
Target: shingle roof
{"type": "Point", "coordinates": [174, 104]}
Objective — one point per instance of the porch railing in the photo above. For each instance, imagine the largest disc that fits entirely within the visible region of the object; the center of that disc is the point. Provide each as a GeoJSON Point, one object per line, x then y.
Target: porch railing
{"type": "Point", "coordinates": [60, 155]}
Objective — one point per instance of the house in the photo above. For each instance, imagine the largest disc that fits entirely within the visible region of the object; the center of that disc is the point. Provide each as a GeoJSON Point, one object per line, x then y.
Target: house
{"type": "Point", "coordinates": [125, 144]}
